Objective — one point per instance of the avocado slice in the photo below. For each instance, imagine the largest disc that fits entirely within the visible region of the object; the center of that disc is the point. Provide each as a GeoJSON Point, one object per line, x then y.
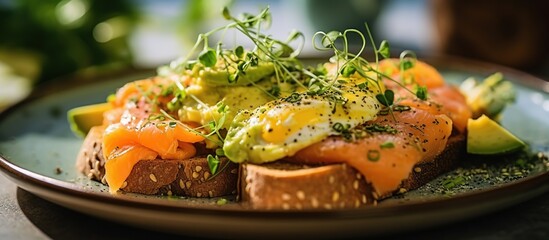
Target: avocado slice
{"type": "Point", "coordinates": [490, 96]}
{"type": "Point", "coordinates": [220, 77]}
{"type": "Point", "coordinates": [82, 119]}
{"type": "Point", "coordinates": [485, 136]}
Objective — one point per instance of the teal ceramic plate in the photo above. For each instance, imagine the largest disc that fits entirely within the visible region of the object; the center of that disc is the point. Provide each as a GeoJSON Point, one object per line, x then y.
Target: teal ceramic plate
{"type": "Point", "coordinates": [38, 150]}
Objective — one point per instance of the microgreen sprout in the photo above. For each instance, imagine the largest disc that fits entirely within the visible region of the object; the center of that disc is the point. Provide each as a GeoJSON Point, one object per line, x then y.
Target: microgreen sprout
{"type": "Point", "coordinates": [208, 58]}
{"type": "Point", "coordinates": [387, 98]}
{"type": "Point", "coordinates": [213, 163]}
{"type": "Point", "coordinates": [238, 61]}
{"type": "Point", "coordinates": [387, 145]}
{"type": "Point", "coordinates": [348, 64]}
{"type": "Point", "coordinates": [421, 92]}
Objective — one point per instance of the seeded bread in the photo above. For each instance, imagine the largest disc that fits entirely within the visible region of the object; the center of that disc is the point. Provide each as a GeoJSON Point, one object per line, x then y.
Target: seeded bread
{"type": "Point", "coordinates": [190, 177]}
{"type": "Point", "coordinates": [278, 185]}
{"type": "Point", "coordinates": [282, 185]}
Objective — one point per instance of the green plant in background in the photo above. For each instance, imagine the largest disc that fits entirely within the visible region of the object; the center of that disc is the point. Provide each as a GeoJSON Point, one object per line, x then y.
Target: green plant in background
{"type": "Point", "coordinates": [64, 36]}
{"type": "Point", "coordinates": [195, 15]}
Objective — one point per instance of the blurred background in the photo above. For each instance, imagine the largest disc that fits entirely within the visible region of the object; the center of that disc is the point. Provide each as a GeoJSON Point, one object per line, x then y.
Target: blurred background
{"type": "Point", "coordinates": [44, 40]}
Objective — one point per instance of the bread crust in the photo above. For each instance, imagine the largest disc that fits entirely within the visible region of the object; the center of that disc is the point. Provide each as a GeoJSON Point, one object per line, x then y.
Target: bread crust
{"type": "Point", "coordinates": [189, 177]}
{"type": "Point", "coordinates": [294, 186]}
{"type": "Point", "coordinates": [282, 185]}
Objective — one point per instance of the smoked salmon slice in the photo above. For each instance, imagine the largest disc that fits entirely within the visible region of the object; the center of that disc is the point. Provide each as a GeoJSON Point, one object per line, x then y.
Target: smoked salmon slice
{"type": "Point", "coordinates": [120, 164]}
{"type": "Point", "coordinates": [137, 130]}
{"type": "Point", "coordinates": [162, 137]}
{"type": "Point", "coordinates": [387, 155]}
{"type": "Point", "coordinates": [442, 98]}
{"type": "Point", "coordinates": [421, 73]}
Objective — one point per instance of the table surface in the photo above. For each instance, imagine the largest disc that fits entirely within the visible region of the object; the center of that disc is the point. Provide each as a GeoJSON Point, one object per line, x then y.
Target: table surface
{"type": "Point", "coordinates": [24, 215]}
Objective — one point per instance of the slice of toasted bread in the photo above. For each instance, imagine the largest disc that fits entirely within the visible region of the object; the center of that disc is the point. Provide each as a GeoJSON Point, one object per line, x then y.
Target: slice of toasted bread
{"type": "Point", "coordinates": [278, 185]}
{"type": "Point", "coordinates": [282, 185]}
{"type": "Point", "coordinates": [189, 177]}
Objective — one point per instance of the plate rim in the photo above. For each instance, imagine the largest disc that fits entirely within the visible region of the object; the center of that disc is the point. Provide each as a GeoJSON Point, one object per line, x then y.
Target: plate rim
{"type": "Point", "coordinates": [22, 175]}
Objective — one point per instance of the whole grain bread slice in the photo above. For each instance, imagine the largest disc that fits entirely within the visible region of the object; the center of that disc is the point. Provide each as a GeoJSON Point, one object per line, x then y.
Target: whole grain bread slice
{"type": "Point", "coordinates": [277, 185]}
{"type": "Point", "coordinates": [189, 177]}
{"type": "Point", "coordinates": [283, 185]}
{"type": "Point", "coordinates": [286, 186]}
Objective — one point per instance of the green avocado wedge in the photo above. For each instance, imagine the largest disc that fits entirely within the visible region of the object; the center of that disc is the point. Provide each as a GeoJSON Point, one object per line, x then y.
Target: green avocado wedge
{"type": "Point", "coordinates": [486, 137]}
{"type": "Point", "coordinates": [490, 96]}
{"type": "Point", "coordinates": [82, 119]}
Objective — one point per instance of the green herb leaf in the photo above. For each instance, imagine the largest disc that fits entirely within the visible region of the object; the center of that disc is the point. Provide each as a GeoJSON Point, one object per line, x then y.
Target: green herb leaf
{"type": "Point", "coordinates": [373, 155]}
{"type": "Point", "coordinates": [294, 35]}
{"type": "Point", "coordinates": [363, 85]}
{"type": "Point", "coordinates": [243, 66]}
{"type": "Point", "coordinates": [252, 59]}
{"type": "Point", "coordinates": [172, 106]}
{"type": "Point", "coordinates": [293, 98]}
{"type": "Point", "coordinates": [379, 128]}
{"type": "Point", "coordinates": [212, 125]}
{"type": "Point", "coordinates": [390, 95]}
{"type": "Point", "coordinates": [348, 70]}
{"type": "Point", "coordinates": [283, 50]}
{"type": "Point", "coordinates": [181, 94]}
{"type": "Point", "coordinates": [407, 60]}
{"type": "Point", "coordinates": [337, 98]}
{"type": "Point", "coordinates": [219, 152]}
{"type": "Point", "coordinates": [221, 107]}
{"type": "Point", "coordinates": [213, 163]}
{"type": "Point", "coordinates": [166, 91]}
{"type": "Point", "coordinates": [153, 117]}
{"type": "Point", "coordinates": [402, 108]}
{"type": "Point", "coordinates": [384, 49]}
{"type": "Point", "coordinates": [221, 122]}
{"type": "Point", "coordinates": [421, 93]}
{"type": "Point", "coordinates": [275, 91]}
{"type": "Point", "coordinates": [386, 99]}
{"type": "Point", "coordinates": [177, 101]}
{"type": "Point", "coordinates": [208, 58]}
{"type": "Point", "coordinates": [221, 201]}
{"type": "Point", "coordinates": [226, 13]}
{"type": "Point", "coordinates": [233, 77]}
{"type": "Point", "coordinates": [328, 41]}
{"type": "Point", "coordinates": [340, 128]}
{"type": "Point", "coordinates": [314, 90]}
{"type": "Point", "coordinates": [453, 182]}
{"type": "Point", "coordinates": [387, 144]}
{"type": "Point", "coordinates": [239, 51]}
{"type": "Point", "coordinates": [406, 64]}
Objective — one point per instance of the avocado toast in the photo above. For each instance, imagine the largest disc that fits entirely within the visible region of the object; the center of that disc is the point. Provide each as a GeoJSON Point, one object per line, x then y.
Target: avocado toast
{"type": "Point", "coordinates": [280, 135]}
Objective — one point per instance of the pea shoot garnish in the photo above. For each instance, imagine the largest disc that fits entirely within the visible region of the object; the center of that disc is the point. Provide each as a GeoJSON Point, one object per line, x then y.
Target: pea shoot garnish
{"type": "Point", "coordinates": [373, 155]}
{"type": "Point", "coordinates": [213, 163]}
{"type": "Point", "coordinates": [387, 98]}
{"type": "Point", "coordinates": [238, 64]}
{"type": "Point", "coordinates": [353, 63]}
{"type": "Point", "coordinates": [421, 92]}
{"type": "Point", "coordinates": [387, 145]}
